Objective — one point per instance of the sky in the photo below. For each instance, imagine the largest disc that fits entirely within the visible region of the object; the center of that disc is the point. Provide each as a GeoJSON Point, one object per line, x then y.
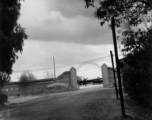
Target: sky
{"type": "Point", "coordinates": [66, 30]}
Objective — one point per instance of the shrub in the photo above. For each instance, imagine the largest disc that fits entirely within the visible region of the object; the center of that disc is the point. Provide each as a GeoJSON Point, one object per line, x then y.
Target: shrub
{"type": "Point", "coordinates": [3, 98]}
{"type": "Point", "coordinates": [26, 77]}
{"type": "Point", "coordinates": [59, 87]}
{"type": "Point", "coordinates": [137, 76]}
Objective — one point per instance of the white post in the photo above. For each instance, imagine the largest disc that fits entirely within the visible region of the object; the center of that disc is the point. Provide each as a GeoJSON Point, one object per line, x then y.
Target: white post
{"type": "Point", "coordinates": [105, 76]}
{"type": "Point", "coordinates": [73, 78]}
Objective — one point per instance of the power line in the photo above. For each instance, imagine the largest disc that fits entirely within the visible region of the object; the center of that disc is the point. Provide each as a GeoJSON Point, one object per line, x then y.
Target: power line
{"type": "Point", "coordinates": [58, 67]}
{"type": "Point", "coordinates": [47, 68]}
{"type": "Point", "coordinates": [38, 69]}
{"type": "Point", "coordinates": [84, 61]}
{"type": "Point", "coordinates": [87, 61]}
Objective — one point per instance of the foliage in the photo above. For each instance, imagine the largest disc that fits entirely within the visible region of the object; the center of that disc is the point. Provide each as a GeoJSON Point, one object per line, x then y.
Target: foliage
{"type": "Point", "coordinates": [26, 77]}
{"type": "Point", "coordinates": [79, 80]}
{"type": "Point", "coordinates": [120, 9]}
{"type": "Point", "coordinates": [136, 72]}
{"type": "Point", "coordinates": [3, 97]}
{"type": "Point", "coordinates": [5, 79]}
{"type": "Point", "coordinates": [131, 12]}
{"type": "Point", "coordinates": [137, 42]}
{"type": "Point", "coordinates": [11, 33]}
{"type": "Point", "coordinates": [85, 81]}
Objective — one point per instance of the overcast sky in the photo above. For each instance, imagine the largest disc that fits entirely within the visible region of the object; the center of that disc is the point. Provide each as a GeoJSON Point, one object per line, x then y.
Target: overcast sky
{"type": "Point", "coordinates": [66, 30]}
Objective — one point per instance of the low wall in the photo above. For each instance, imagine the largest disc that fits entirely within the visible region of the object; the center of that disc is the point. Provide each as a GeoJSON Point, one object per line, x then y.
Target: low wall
{"type": "Point", "coordinates": [39, 86]}
{"type": "Point", "coordinates": [34, 87]}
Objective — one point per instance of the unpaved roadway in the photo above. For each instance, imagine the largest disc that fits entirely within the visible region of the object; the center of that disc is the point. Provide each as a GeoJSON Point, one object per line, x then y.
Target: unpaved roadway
{"type": "Point", "coordinates": [93, 103]}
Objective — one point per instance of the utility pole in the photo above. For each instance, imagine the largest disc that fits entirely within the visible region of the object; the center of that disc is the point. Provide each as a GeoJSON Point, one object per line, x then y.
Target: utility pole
{"type": "Point", "coordinates": [117, 65]}
{"type": "Point", "coordinates": [54, 67]}
{"type": "Point", "coordinates": [114, 74]}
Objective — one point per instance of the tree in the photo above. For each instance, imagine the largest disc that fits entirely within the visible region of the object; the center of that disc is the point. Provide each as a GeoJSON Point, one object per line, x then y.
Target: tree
{"type": "Point", "coordinates": [3, 96]}
{"type": "Point", "coordinates": [136, 41]}
{"type": "Point", "coordinates": [85, 81]}
{"type": "Point", "coordinates": [5, 78]}
{"type": "Point", "coordinates": [12, 35]}
{"type": "Point", "coordinates": [136, 72]}
{"type": "Point", "coordinates": [133, 12]}
{"type": "Point", "coordinates": [120, 9]}
{"type": "Point", "coordinates": [25, 78]}
{"type": "Point", "coordinates": [79, 80]}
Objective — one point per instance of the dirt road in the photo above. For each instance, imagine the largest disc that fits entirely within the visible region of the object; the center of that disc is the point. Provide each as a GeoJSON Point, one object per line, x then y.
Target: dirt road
{"type": "Point", "coordinates": [93, 103]}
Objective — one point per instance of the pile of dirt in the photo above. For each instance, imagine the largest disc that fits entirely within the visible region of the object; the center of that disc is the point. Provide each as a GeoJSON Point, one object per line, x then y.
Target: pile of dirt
{"type": "Point", "coordinates": [58, 87]}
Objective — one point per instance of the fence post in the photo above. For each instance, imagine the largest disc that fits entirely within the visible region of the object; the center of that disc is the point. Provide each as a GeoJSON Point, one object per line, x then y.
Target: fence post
{"type": "Point", "coordinates": [114, 74]}
{"type": "Point", "coordinates": [118, 68]}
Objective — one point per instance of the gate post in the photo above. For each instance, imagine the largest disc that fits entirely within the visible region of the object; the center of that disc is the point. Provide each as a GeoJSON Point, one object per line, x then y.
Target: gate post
{"type": "Point", "coordinates": [105, 76]}
{"type": "Point", "coordinates": [73, 78]}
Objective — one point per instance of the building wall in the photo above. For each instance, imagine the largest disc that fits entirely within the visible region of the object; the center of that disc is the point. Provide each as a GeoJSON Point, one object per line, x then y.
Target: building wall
{"type": "Point", "coordinates": [39, 86]}
{"type": "Point", "coordinates": [68, 77]}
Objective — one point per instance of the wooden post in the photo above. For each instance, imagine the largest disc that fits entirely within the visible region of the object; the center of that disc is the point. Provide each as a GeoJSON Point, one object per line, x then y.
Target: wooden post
{"type": "Point", "coordinates": [114, 74]}
{"type": "Point", "coordinates": [118, 68]}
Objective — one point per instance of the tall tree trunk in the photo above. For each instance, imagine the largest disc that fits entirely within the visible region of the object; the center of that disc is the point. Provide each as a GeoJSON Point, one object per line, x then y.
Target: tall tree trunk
{"type": "Point", "coordinates": [1, 65]}
{"type": "Point", "coordinates": [150, 47]}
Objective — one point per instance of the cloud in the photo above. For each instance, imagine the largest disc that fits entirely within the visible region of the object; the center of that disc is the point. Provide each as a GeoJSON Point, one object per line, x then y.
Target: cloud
{"type": "Point", "coordinates": [47, 21]}
{"type": "Point", "coordinates": [72, 8]}
{"type": "Point", "coordinates": [63, 29]}
{"type": "Point", "coordinates": [40, 54]}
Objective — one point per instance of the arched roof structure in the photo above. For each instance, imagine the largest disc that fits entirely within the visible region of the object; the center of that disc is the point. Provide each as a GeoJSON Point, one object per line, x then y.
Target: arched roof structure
{"type": "Point", "coordinates": [85, 63]}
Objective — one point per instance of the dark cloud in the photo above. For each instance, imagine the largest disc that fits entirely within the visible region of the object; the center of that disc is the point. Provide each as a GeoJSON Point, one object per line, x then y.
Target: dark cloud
{"type": "Point", "coordinates": [66, 21]}
{"type": "Point", "coordinates": [88, 36]}
{"type": "Point", "coordinates": [73, 8]}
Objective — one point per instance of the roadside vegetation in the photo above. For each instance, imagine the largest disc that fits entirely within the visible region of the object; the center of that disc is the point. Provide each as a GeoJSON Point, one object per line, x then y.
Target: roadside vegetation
{"type": "Point", "coordinates": [12, 37]}
{"type": "Point", "coordinates": [58, 87]}
{"type": "Point", "coordinates": [133, 19]}
{"type": "Point", "coordinates": [84, 81]}
{"type": "Point", "coordinates": [25, 78]}
{"type": "Point", "coordinates": [4, 79]}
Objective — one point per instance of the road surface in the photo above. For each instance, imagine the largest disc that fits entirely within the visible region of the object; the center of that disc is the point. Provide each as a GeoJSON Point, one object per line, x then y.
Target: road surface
{"type": "Point", "coordinates": [92, 103]}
